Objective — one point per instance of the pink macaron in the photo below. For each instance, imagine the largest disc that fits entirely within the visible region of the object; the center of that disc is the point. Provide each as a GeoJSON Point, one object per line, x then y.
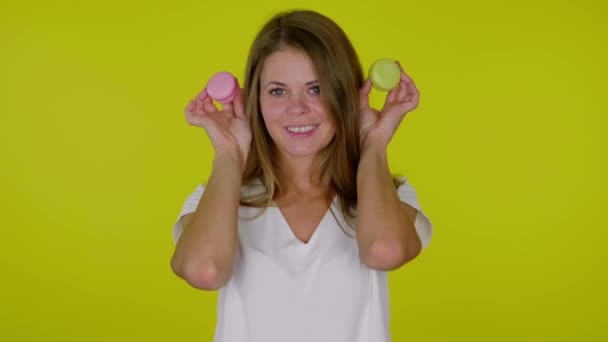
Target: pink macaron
{"type": "Point", "coordinates": [222, 87]}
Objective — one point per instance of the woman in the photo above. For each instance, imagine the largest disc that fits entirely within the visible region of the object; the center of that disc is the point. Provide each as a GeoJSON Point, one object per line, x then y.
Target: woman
{"type": "Point", "coordinates": [300, 218]}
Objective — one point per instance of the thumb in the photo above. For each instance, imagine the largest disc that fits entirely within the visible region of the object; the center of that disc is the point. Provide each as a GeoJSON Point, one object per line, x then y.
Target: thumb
{"type": "Point", "coordinates": [239, 105]}
{"type": "Point", "coordinates": [228, 107]}
{"type": "Point", "coordinates": [364, 94]}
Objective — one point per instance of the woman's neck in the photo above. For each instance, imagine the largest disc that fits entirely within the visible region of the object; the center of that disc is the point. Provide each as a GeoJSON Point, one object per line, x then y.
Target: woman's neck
{"type": "Point", "coordinates": [299, 178]}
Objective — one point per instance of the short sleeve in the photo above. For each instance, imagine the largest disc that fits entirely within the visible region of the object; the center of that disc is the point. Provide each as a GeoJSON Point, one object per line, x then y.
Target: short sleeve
{"type": "Point", "coordinates": [189, 206]}
{"type": "Point", "coordinates": [407, 194]}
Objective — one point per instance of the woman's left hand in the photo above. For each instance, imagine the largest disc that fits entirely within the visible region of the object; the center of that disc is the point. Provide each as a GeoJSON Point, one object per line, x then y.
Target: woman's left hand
{"type": "Point", "coordinates": [379, 127]}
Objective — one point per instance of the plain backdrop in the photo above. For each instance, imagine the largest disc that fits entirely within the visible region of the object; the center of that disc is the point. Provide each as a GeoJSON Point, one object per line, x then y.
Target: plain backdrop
{"type": "Point", "coordinates": [507, 152]}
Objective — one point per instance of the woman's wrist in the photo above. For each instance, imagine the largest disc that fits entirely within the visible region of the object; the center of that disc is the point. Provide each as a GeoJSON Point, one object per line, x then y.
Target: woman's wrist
{"type": "Point", "coordinates": [373, 143]}
{"type": "Point", "coordinates": [230, 159]}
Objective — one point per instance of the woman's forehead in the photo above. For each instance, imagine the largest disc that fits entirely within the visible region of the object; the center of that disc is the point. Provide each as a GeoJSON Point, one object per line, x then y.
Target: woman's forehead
{"type": "Point", "coordinates": [288, 65]}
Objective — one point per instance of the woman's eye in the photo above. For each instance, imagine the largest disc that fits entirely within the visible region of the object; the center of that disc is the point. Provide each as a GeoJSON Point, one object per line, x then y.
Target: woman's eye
{"type": "Point", "coordinates": [277, 91]}
{"type": "Point", "coordinates": [316, 90]}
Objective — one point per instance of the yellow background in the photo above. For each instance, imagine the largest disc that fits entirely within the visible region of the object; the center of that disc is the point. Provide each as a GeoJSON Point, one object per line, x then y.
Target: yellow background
{"type": "Point", "coordinates": [507, 151]}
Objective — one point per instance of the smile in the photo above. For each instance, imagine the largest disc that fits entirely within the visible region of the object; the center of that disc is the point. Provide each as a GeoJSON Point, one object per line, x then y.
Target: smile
{"type": "Point", "coordinates": [301, 129]}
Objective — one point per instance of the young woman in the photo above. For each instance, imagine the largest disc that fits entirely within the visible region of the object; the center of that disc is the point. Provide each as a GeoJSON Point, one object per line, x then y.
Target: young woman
{"type": "Point", "coordinates": [300, 218]}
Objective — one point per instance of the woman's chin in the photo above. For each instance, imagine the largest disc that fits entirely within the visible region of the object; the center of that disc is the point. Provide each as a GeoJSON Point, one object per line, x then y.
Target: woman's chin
{"type": "Point", "coordinates": [301, 152]}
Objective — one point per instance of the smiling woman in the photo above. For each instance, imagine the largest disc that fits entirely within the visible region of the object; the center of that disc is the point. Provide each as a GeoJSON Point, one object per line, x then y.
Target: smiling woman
{"type": "Point", "coordinates": [300, 217]}
{"type": "Point", "coordinates": [293, 109]}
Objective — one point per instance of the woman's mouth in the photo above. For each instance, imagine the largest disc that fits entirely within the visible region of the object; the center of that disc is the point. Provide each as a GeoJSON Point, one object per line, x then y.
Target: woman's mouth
{"type": "Point", "coordinates": [301, 129]}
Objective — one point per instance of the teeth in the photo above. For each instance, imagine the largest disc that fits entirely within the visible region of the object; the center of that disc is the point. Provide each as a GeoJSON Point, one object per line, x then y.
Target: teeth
{"type": "Point", "coordinates": [302, 129]}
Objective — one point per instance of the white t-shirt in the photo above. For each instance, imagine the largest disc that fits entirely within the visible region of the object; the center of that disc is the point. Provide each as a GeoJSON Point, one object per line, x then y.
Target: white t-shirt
{"type": "Point", "coordinates": [282, 289]}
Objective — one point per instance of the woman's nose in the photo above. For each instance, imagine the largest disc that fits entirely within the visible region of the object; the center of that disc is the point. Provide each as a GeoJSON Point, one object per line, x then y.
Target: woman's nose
{"type": "Point", "coordinates": [297, 104]}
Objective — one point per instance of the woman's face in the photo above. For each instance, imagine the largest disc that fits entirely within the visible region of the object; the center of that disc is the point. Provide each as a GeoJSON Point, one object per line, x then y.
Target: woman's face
{"type": "Point", "coordinates": [292, 106]}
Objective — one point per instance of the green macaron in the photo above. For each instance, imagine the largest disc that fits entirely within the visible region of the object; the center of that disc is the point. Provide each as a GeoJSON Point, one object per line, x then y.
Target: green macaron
{"type": "Point", "coordinates": [385, 74]}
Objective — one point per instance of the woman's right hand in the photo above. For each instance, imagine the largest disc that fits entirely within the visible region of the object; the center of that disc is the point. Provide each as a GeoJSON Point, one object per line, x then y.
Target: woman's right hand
{"type": "Point", "coordinates": [228, 128]}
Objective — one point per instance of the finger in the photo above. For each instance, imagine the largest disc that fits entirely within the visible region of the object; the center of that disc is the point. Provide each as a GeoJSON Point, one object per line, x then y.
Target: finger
{"type": "Point", "coordinates": [189, 111]}
{"type": "Point", "coordinates": [196, 103]}
{"type": "Point", "coordinates": [228, 108]}
{"type": "Point", "coordinates": [409, 82]}
{"type": "Point", "coordinates": [204, 99]}
{"type": "Point", "coordinates": [403, 75]}
{"type": "Point", "coordinates": [205, 102]}
{"type": "Point", "coordinates": [405, 101]}
{"type": "Point", "coordinates": [191, 106]}
{"type": "Point", "coordinates": [194, 114]}
{"type": "Point", "coordinates": [208, 105]}
{"type": "Point", "coordinates": [202, 95]}
{"type": "Point", "coordinates": [239, 105]}
{"type": "Point", "coordinates": [403, 91]}
{"type": "Point", "coordinates": [391, 97]}
{"type": "Point", "coordinates": [364, 94]}
{"type": "Point", "coordinates": [400, 67]}
{"type": "Point", "coordinates": [194, 107]}
{"type": "Point", "coordinates": [412, 95]}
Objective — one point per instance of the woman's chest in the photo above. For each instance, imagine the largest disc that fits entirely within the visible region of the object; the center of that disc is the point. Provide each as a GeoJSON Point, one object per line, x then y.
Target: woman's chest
{"type": "Point", "coordinates": [303, 219]}
{"type": "Point", "coordinates": [292, 278]}
{"type": "Point", "coordinates": [270, 237]}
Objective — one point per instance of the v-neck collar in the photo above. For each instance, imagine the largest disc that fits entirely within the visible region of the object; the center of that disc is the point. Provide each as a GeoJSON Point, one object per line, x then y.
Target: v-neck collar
{"type": "Point", "coordinates": [316, 231]}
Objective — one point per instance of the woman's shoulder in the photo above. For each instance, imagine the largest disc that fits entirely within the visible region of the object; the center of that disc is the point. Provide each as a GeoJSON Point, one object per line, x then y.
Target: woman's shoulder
{"type": "Point", "coordinates": [252, 191]}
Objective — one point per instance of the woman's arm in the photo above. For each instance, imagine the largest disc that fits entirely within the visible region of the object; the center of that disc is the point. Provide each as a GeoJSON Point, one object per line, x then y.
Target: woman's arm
{"type": "Point", "coordinates": [386, 234]}
{"type": "Point", "coordinates": [386, 231]}
{"type": "Point", "coordinates": [205, 251]}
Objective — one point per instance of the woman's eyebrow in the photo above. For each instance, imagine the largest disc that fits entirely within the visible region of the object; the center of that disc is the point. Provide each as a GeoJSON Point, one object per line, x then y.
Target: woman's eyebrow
{"type": "Point", "coordinates": [284, 85]}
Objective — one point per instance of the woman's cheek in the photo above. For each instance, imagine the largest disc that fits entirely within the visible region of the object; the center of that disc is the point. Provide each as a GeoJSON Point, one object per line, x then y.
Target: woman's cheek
{"type": "Point", "coordinates": [274, 107]}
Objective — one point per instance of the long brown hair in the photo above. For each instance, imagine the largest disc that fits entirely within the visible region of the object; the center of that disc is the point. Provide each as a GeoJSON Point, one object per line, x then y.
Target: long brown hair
{"type": "Point", "coordinates": [340, 77]}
